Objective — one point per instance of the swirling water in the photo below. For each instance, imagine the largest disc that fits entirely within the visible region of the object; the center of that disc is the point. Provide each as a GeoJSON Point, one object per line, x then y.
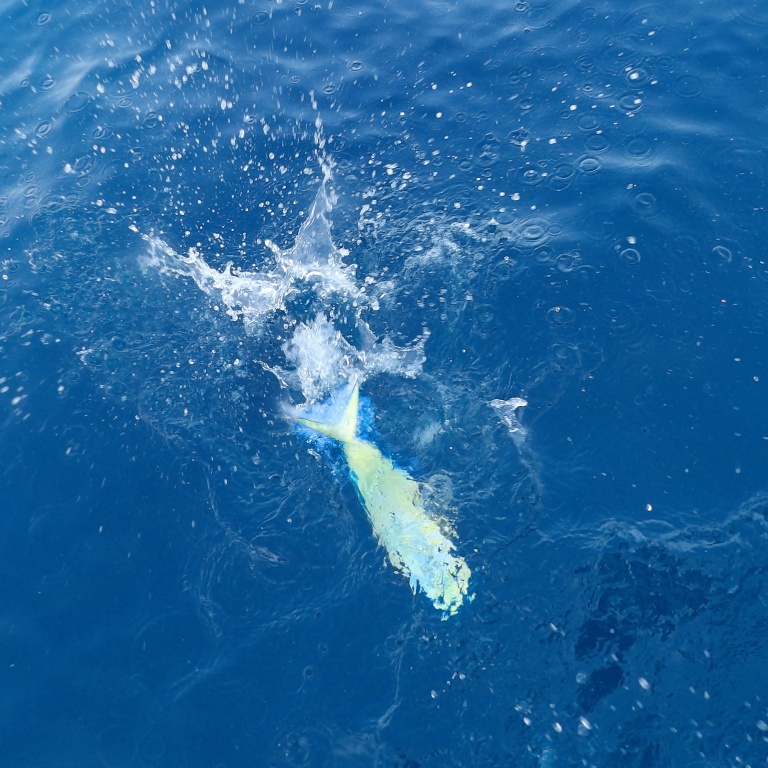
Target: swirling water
{"type": "Point", "coordinates": [533, 230]}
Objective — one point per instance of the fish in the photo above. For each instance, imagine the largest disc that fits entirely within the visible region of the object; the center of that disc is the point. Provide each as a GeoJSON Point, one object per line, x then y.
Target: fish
{"type": "Point", "coordinates": [415, 542]}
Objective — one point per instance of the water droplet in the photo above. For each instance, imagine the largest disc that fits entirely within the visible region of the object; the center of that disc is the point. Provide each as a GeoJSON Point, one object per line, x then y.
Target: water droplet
{"type": "Point", "coordinates": [586, 64]}
{"type": "Point", "coordinates": [637, 76]}
{"type": "Point", "coordinates": [505, 269]}
{"type": "Point", "coordinates": [76, 102]}
{"type": "Point", "coordinates": [639, 146]}
{"type": "Point", "coordinates": [488, 150]}
{"type": "Point", "coordinates": [519, 74]}
{"type": "Point", "coordinates": [596, 143]}
{"type": "Point", "coordinates": [644, 203]}
{"type": "Point", "coordinates": [588, 122]}
{"type": "Point", "coordinates": [100, 133]}
{"type": "Point", "coordinates": [84, 164]}
{"type": "Point", "coordinates": [630, 256]}
{"type": "Point", "coordinates": [589, 165]}
{"type": "Point", "coordinates": [630, 103]}
{"type": "Point", "coordinates": [55, 203]}
{"type": "Point", "coordinates": [723, 253]}
{"type": "Point", "coordinates": [531, 176]}
{"type": "Point", "coordinates": [534, 232]}
{"type": "Point", "coordinates": [688, 86]}
{"type": "Point", "coordinates": [560, 316]}
{"type": "Point", "coordinates": [567, 262]}
{"type": "Point", "coordinates": [151, 121]}
{"type": "Point", "coordinates": [43, 128]}
{"type": "Point", "coordinates": [485, 321]}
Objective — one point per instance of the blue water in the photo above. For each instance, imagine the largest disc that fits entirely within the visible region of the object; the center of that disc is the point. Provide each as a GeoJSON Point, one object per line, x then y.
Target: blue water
{"type": "Point", "coordinates": [458, 204]}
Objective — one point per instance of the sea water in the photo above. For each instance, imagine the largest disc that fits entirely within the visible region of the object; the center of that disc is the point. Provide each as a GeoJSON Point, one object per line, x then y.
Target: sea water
{"type": "Point", "coordinates": [533, 231]}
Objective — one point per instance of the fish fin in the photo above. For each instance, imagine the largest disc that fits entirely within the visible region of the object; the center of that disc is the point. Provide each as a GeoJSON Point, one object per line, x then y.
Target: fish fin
{"type": "Point", "coordinates": [345, 428]}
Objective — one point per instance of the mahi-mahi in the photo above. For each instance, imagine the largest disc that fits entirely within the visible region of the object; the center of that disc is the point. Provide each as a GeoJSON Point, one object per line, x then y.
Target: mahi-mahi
{"type": "Point", "coordinates": [415, 542]}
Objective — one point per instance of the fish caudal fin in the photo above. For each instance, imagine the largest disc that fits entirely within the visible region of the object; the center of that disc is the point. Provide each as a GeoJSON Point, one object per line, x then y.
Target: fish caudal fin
{"type": "Point", "coordinates": [343, 430]}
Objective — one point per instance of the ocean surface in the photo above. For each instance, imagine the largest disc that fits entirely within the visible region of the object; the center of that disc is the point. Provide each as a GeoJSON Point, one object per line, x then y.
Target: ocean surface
{"type": "Point", "coordinates": [534, 232]}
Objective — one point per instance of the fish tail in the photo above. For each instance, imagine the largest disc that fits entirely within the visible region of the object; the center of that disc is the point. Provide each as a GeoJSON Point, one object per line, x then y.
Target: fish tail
{"type": "Point", "coordinates": [345, 429]}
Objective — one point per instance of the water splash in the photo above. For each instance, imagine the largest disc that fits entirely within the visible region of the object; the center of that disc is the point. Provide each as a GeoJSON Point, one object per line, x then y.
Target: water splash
{"type": "Point", "coordinates": [312, 277]}
{"type": "Point", "coordinates": [506, 410]}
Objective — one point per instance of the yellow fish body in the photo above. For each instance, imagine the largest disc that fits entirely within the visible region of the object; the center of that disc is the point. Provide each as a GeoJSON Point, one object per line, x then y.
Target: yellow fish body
{"type": "Point", "coordinates": [414, 541]}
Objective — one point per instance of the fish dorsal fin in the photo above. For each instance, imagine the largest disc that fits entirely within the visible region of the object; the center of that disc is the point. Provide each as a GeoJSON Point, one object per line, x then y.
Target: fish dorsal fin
{"type": "Point", "coordinates": [345, 428]}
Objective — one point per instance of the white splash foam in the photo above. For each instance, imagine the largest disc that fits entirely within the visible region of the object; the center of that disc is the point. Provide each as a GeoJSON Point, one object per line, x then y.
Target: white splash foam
{"type": "Point", "coordinates": [318, 356]}
{"type": "Point", "coordinates": [248, 296]}
{"type": "Point", "coordinates": [321, 358]}
{"type": "Point", "coordinates": [254, 296]}
{"type": "Point", "coordinates": [506, 411]}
